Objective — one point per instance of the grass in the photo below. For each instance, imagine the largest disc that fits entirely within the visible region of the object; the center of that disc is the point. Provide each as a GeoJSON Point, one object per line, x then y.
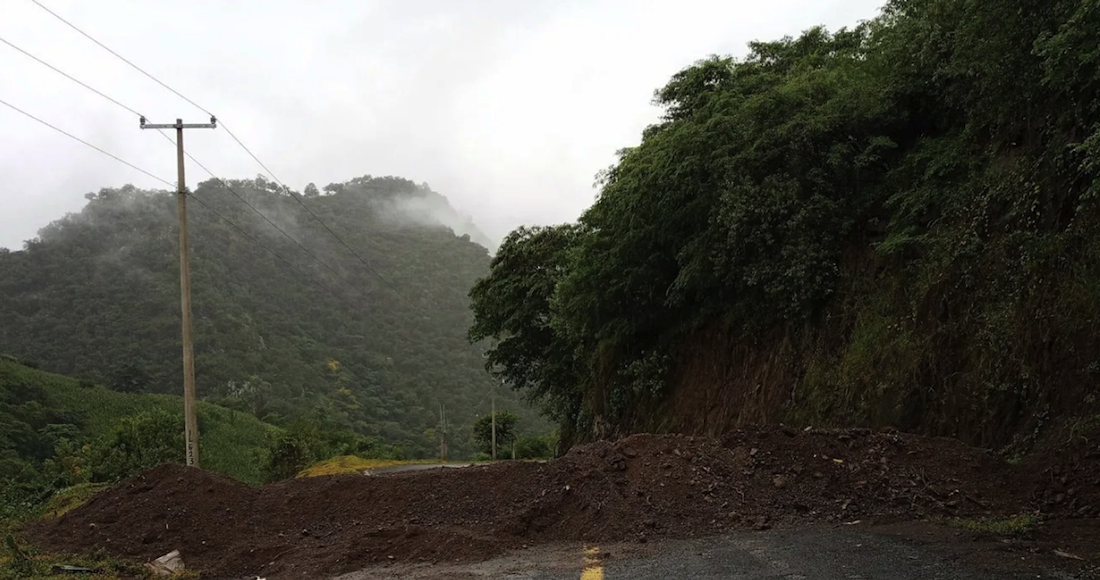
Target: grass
{"type": "Point", "coordinates": [19, 562]}
{"type": "Point", "coordinates": [346, 464]}
{"type": "Point", "coordinates": [69, 499]}
{"type": "Point", "coordinates": [351, 464]}
{"type": "Point", "coordinates": [1017, 525]}
{"type": "Point", "coordinates": [24, 562]}
{"type": "Point", "coordinates": [232, 443]}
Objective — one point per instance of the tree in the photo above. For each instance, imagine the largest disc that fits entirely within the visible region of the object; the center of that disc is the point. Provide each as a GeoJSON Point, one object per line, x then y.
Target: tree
{"type": "Point", "coordinates": [130, 377]}
{"type": "Point", "coordinates": [898, 201]}
{"type": "Point", "coordinates": [505, 429]}
{"type": "Point", "coordinates": [293, 451]}
{"type": "Point", "coordinates": [513, 307]}
{"type": "Point", "coordinates": [254, 392]}
{"type": "Point", "coordinates": [530, 447]}
{"type": "Point", "coordinates": [136, 443]}
{"type": "Point", "coordinates": [737, 205]}
{"type": "Point", "coordinates": [99, 289]}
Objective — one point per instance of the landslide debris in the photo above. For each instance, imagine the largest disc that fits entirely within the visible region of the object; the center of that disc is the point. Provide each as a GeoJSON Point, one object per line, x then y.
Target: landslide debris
{"type": "Point", "coordinates": [641, 487]}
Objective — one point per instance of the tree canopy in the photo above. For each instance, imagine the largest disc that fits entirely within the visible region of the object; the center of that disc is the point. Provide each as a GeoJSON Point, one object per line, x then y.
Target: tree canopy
{"type": "Point", "coordinates": [953, 144]}
{"type": "Point", "coordinates": [364, 333]}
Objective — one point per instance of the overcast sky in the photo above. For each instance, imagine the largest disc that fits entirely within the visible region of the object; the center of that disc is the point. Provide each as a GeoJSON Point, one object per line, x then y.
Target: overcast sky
{"type": "Point", "coordinates": [507, 107]}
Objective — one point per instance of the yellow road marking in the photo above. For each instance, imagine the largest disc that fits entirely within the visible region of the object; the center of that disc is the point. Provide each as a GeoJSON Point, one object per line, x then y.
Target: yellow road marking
{"type": "Point", "coordinates": [593, 568]}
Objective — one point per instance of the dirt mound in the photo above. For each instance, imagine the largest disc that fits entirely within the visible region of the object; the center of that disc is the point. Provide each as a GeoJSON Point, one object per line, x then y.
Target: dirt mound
{"type": "Point", "coordinates": [1065, 477]}
{"type": "Point", "coordinates": [675, 485]}
{"type": "Point", "coordinates": [640, 487]}
{"type": "Point", "coordinates": [303, 528]}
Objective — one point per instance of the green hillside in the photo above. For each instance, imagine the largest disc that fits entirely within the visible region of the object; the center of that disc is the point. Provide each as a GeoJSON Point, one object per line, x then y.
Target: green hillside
{"type": "Point", "coordinates": [372, 342]}
{"type": "Point", "coordinates": [51, 422]}
{"type": "Point", "coordinates": [894, 224]}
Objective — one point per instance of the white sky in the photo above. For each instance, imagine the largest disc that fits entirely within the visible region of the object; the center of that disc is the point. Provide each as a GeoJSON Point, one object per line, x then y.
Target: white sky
{"type": "Point", "coordinates": [508, 108]}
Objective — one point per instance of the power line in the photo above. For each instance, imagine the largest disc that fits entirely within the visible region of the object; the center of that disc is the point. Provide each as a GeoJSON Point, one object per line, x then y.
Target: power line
{"type": "Point", "coordinates": [68, 76]}
{"type": "Point", "coordinates": [170, 184]}
{"type": "Point", "coordinates": [79, 140]}
{"type": "Point", "coordinates": [265, 218]}
{"type": "Point", "coordinates": [320, 221]}
{"type": "Point", "coordinates": [83, 84]}
{"type": "Point", "coordinates": [243, 146]}
{"type": "Point", "coordinates": [169, 139]}
{"type": "Point", "coordinates": [483, 399]}
{"type": "Point", "coordinates": [252, 239]}
{"type": "Point", "coordinates": [254, 209]}
{"type": "Point", "coordinates": [273, 224]}
{"type": "Point", "coordinates": [122, 58]}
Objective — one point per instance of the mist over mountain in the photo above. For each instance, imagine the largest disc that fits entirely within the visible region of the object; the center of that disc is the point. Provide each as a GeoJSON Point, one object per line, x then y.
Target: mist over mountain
{"type": "Point", "coordinates": [364, 330]}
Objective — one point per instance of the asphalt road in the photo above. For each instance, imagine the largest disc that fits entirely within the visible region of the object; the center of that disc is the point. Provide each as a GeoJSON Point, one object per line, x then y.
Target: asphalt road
{"type": "Point", "coordinates": [818, 554]}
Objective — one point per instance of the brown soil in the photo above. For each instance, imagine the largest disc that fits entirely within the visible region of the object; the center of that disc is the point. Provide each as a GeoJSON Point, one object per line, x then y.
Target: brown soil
{"type": "Point", "coordinates": [638, 488]}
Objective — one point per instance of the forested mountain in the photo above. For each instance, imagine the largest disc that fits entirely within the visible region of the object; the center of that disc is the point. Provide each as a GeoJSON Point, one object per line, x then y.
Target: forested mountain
{"type": "Point", "coordinates": [894, 224]}
{"type": "Point", "coordinates": [371, 336]}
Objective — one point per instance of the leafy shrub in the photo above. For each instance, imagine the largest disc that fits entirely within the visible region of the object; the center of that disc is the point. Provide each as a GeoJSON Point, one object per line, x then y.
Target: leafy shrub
{"type": "Point", "coordinates": [136, 443]}
{"type": "Point", "coordinates": [530, 447]}
{"type": "Point", "coordinates": [295, 450]}
{"type": "Point", "coordinates": [505, 433]}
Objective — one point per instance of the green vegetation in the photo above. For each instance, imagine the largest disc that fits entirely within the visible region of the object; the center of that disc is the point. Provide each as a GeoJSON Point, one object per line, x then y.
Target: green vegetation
{"type": "Point", "coordinates": [368, 351]}
{"type": "Point", "coordinates": [292, 369]}
{"type": "Point", "coordinates": [347, 464]}
{"type": "Point", "coordinates": [43, 412]}
{"type": "Point", "coordinates": [533, 447]}
{"type": "Point", "coordinates": [509, 440]}
{"type": "Point", "coordinates": [506, 424]}
{"type": "Point", "coordinates": [303, 444]}
{"type": "Point", "coordinates": [69, 499]}
{"type": "Point", "coordinates": [26, 563]}
{"type": "Point", "coordinates": [62, 440]}
{"type": "Point", "coordinates": [1017, 525]}
{"type": "Point", "coordinates": [893, 224]}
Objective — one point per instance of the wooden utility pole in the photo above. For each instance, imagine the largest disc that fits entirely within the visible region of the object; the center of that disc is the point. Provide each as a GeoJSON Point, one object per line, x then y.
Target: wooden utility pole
{"type": "Point", "coordinates": [442, 434]}
{"type": "Point", "coordinates": [191, 424]}
{"type": "Point", "coordinates": [494, 398]}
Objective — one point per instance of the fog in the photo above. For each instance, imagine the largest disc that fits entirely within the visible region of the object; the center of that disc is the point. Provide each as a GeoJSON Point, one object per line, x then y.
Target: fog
{"type": "Point", "coordinates": [506, 108]}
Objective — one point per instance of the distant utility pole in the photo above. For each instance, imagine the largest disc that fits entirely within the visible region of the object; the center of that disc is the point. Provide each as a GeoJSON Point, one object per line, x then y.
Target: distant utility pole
{"type": "Point", "coordinates": [191, 424]}
{"type": "Point", "coordinates": [442, 434]}
{"type": "Point", "coordinates": [494, 398]}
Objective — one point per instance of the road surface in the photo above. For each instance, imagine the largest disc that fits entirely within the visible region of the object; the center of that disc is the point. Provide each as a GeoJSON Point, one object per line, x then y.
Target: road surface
{"type": "Point", "coordinates": [817, 554]}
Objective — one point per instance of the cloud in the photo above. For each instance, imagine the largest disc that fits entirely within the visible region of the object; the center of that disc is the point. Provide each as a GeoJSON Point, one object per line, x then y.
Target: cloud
{"type": "Point", "coordinates": [507, 108]}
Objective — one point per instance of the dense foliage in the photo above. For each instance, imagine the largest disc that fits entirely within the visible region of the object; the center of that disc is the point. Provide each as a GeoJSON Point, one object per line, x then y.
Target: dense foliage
{"type": "Point", "coordinates": [57, 433]}
{"type": "Point", "coordinates": [370, 347]}
{"type": "Point", "coordinates": [908, 205]}
{"type": "Point", "coordinates": [505, 429]}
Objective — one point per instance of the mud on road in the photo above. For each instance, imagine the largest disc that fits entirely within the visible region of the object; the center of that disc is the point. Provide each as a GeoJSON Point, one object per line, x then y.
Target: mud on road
{"type": "Point", "coordinates": [641, 488]}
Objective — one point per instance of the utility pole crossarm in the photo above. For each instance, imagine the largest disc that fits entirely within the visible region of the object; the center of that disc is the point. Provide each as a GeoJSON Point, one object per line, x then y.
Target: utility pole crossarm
{"type": "Point", "coordinates": [213, 124]}
{"type": "Point", "coordinates": [191, 424]}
